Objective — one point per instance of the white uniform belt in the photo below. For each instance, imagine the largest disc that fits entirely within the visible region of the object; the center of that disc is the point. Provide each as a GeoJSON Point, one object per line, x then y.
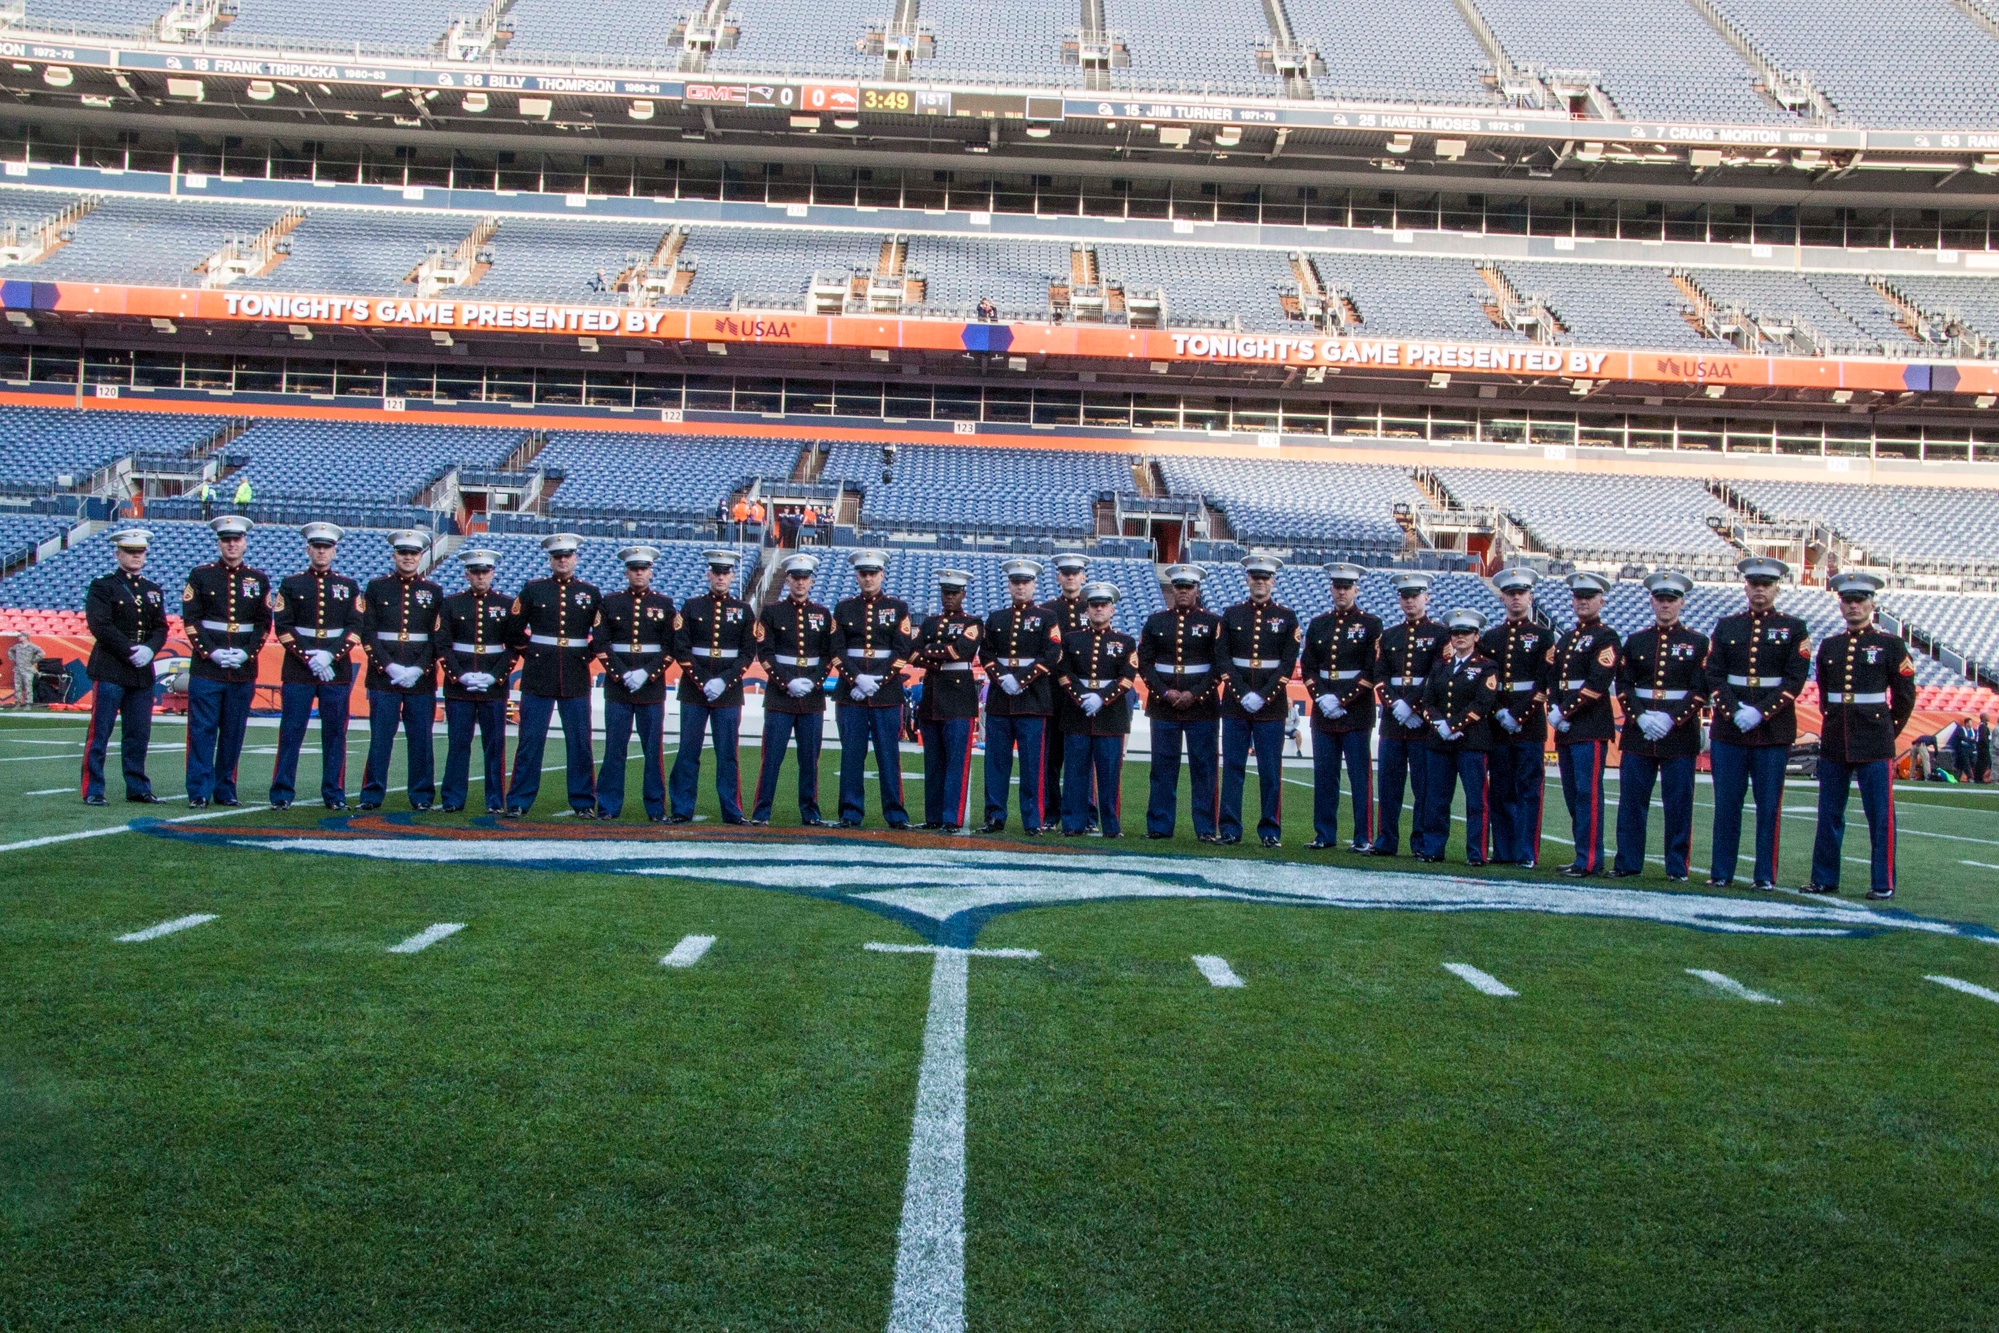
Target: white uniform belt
{"type": "Point", "coordinates": [1645, 693]}
{"type": "Point", "coordinates": [871, 652]}
{"type": "Point", "coordinates": [1185, 669]}
{"type": "Point", "coordinates": [1015, 663]}
{"type": "Point", "coordinates": [1834, 697]}
{"type": "Point", "coordinates": [954, 666]}
{"type": "Point", "coordinates": [1756, 682]}
{"type": "Point", "coordinates": [1405, 680]}
{"type": "Point", "coordinates": [1340, 675]}
{"type": "Point", "coordinates": [647, 650]}
{"type": "Point", "coordinates": [304, 633]}
{"type": "Point", "coordinates": [399, 636]}
{"type": "Point", "coordinates": [559, 640]}
{"type": "Point", "coordinates": [1256, 663]}
{"type": "Point", "coordinates": [725, 654]}
{"type": "Point", "coordinates": [1520, 686]}
{"type": "Point", "coordinates": [1096, 684]}
{"type": "Point", "coordinates": [226, 626]}
{"type": "Point", "coordinates": [1575, 684]}
{"type": "Point", "coordinates": [478, 649]}
{"type": "Point", "coordinates": [782, 660]}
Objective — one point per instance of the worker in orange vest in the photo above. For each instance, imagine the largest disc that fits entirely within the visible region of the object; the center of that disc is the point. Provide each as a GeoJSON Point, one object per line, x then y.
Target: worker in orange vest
{"type": "Point", "coordinates": [741, 514]}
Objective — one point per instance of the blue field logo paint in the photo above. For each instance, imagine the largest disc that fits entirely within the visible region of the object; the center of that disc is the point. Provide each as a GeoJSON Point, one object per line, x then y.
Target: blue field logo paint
{"type": "Point", "coordinates": [946, 893]}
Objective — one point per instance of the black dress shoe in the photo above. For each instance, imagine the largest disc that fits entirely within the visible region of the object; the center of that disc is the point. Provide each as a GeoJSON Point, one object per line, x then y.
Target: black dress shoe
{"type": "Point", "coordinates": [1676, 879]}
{"type": "Point", "coordinates": [449, 809]}
{"type": "Point", "coordinates": [1156, 836]}
{"type": "Point", "coordinates": [197, 802]}
{"type": "Point", "coordinates": [1831, 889]}
{"type": "Point", "coordinates": [931, 825]}
{"type": "Point", "coordinates": [1210, 838]}
{"type": "Point", "coordinates": [95, 800]}
{"type": "Point", "coordinates": [1619, 873]}
{"type": "Point", "coordinates": [369, 805]}
{"type": "Point", "coordinates": [421, 808]}
{"type": "Point", "coordinates": [143, 798]}
{"type": "Point", "coordinates": [1714, 883]}
{"type": "Point", "coordinates": [586, 812]}
{"type": "Point", "coordinates": [512, 812]}
{"type": "Point", "coordinates": [1766, 885]}
{"type": "Point", "coordinates": [231, 803]}
{"type": "Point", "coordinates": [1032, 832]}
{"type": "Point", "coordinates": [993, 826]}
{"type": "Point", "coordinates": [1576, 872]}
{"type": "Point", "coordinates": [335, 805]}
{"type": "Point", "coordinates": [680, 819]}
{"type": "Point", "coordinates": [1529, 864]}
{"type": "Point", "coordinates": [812, 823]}
{"type": "Point", "coordinates": [1879, 894]}
{"type": "Point", "coordinates": [656, 819]}
{"type": "Point", "coordinates": [1273, 842]}
{"type": "Point", "coordinates": [281, 805]}
{"type": "Point", "coordinates": [1228, 839]}
{"type": "Point", "coordinates": [1320, 845]}
{"type": "Point", "coordinates": [1361, 848]}
{"type": "Point", "coordinates": [1428, 860]}
{"type": "Point", "coordinates": [850, 823]}
{"type": "Point", "coordinates": [760, 823]}
{"type": "Point", "coordinates": [1470, 862]}
{"type": "Point", "coordinates": [1075, 833]}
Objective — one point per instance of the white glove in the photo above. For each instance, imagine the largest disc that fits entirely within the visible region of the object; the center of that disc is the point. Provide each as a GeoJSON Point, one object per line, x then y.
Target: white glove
{"type": "Point", "coordinates": [635, 679]}
{"type": "Point", "coordinates": [866, 686]}
{"type": "Point", "coordinates": [1555, 718]}
{"type": "Point", "coordinates": [1444, 729]}
{"type": "Point", "coordinates": [714, 688]}
{"type": "Point", "coordinates": [229, 658]}
{"type": "Point", "coordinates": [1093, 703]}
{"type": "Point", "coordinates": [1748, 717]}
{"type": "Point", "coordinates": [1505, 716]}
{"type": "Point", "coordinates": [404, 676]}
{"type": "Point", "coordinates": [478, 681]}
{"type": "Point", "coordinates": [1011, 683]}
{"type": "Point", "coordinates": [1252, 702]}
{"type": "Point", "coordinates": [856, 695]}
{"type": "Point", "coordinates": [1330, 706]}
{"type": "Point", "coordinates": [323, 674]}
{"type": "Point", "coordinates": [317, 659]}
{"type": "Point", "coordinates": [141, 655]}
{"type": "Point", "coordinates": [1403, 712]}
{"type": "Point", "coordinates": [799, 686]}
{"type": "Point", "coordinates": [1654, 723]}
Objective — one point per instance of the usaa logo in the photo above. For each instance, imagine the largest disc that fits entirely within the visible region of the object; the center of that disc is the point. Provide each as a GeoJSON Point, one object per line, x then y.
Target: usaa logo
{"type": "Point", "coordinates": [754, 328]}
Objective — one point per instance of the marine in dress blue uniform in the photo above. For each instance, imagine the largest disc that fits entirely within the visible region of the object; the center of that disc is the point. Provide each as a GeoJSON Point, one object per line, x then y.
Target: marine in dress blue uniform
{"type": "Point", "coordinates": [1402, 665]}
{"type": "Point", "coordinates": [1867, 690]}
{"type": "Point", "coordinates": [553, 619]}
{"type": "Point", "coordinates": [797, 653]}
{"type": "Point", "coordinates": [1458, 699]}
{"type": "Point", "coordinates": [1758, 661]}
{"type": "Point", "coordinates": [475, 634]}
{"type": "Point", "coordinates": [316, 615]}
{"type": "Point", "coordinates": [1516, 767]}
{"type": "Point", "coordinates": [1582, 677]}
{"type": "Point", "coordinates": [634, 637]}
{"type": "Point", "coordinates": [1337, 662]}
{"type": "Point", "coordinates": [399, 634]}
{"type": "Point", "coordinates": [127, 616]}
{"type": "Point", "coordinates": [1094, 682]}
{"type": "Point", "coordinates": [225, 611]}
{"type": "Point", "coordinates": [715, 640]}
{"type": "Point", "coordinates": [1177, 660]}
{"type": "Point", "coordinates": [871, 638]}
{"type": "Point", "coordinates": [1065, 612]}
{"type": "Point", "coordinates": [1662, 685]}
{"type": "Point", "coordinates": [1019, 658]}
{"type": "Point", "coordinates": [947, 645]}
{"type": "Point", "coordinates": [1257, 654]}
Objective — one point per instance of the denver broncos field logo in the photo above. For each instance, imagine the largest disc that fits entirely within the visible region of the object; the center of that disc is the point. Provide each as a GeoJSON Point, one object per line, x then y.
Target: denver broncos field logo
{"type": "Point", "coordinates": [946, 889]}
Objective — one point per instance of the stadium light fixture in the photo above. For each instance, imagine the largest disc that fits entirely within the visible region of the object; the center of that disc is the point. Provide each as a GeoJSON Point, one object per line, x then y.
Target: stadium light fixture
{"type": "Point", "coordinates": [1591, 151]}
{"type": "Point", "coordinates": [1842, 395]}
{"type": "Point", "coordinates": [1703, 158]}
{"type": "Point", "coordinates": [92, 99]}
{"type": "Point", "coordinates": [192, 88]}
{"type": "Point", "coordinates": [1228, 136]}
{"type": "Point", "coordinates": [587, 343]}
{"type": "Point", "coordinates": [1984, 401]}
{"type": "Point", "coordinates": [1038, 131]}
{"type": "Point", "coordinates": [1440, 379]}
{"type": "Point", "coordinates": [1987, 164]}
{"type": "Point", "coordinates": [1716, 390]}
{"type": "Point", "coordinates": [260, 90]}
{"type": "Point", "coordinates": [640, 110]}
{"type": "Point", "coordinates": [442, 337]}
{"type": "Point", "coordinates": [299, 332]}
{"type": "Point", "coordinates": [537, 108]}
{"type": "Point", "coordinates": [57, 76]}
{"type": "Point", "coordinates": [1450, 149]}
{"type": "Point", "coordinates": [846, 122]}
{"type": "Point", "coordinates": [1174, 136]}
{"type": "Point", "coordinates": [805, 123]}
{"type": "Point", "coordinates": [1401, 143]}
{"type": "Point", "coordinates": [163, 325]}
{"type": "Point", "coordinates": [20, 319]}
{"type": "Point", "coordinates": [476, 103]}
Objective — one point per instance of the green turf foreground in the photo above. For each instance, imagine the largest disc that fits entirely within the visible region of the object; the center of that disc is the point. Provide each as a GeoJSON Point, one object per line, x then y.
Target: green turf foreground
{"type": "Point", "coordinates": [270, 1120]}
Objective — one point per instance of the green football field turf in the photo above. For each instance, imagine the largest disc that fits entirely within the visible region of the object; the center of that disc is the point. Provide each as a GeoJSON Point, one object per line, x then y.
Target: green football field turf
{"type": "Point", "coordinates": [270, 1120]}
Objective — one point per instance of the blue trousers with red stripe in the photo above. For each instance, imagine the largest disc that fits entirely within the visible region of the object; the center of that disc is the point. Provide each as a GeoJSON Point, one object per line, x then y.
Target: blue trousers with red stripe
{"type": "Point", "coordinates": [1162, 809]}
{"type": "Point", "coordinates": [1675, 777]}
{"type": "Point", "coordinates": [947, 769]}
{"type": "Point", "coordinates": [132, 710]}
{"type": "Point", "coordinates": [1738, 768]}
{"type": "Point", "coordinates": [461, 718]}
{"type": "Point", "coordinates": [1582, 791]}
{"type": "Point", "coordinates": [416, 716]}
{"type": "Point", "coordinates": [1239, 735]}
{"type": "Point", "coordinates": [218, 712]}
{"type": "Point", "coordinates": [620, 720]}
{"type": "Point", "coordinates": [1516, 775]}
{"type": "Point", "coordinates": [1003, 736]}
{"type": "Point", "coordinates": [1877, 799]}
{"type": "Point", "coordinates": [1401, 761]}
{"type": "Point", "coordinates": [725, 725]}
{"type": "Point", "coordinates": [862, 728]}
{"type": "Point", "coordinates": [536, 710]}
{"type": "Point", "coordinates": [1450, 769]}
{"type": "Point", "coordinates": [294, 717]}
{"type": "Point", "coordinates": [809, 729]}
{"type": "Point", "coordinates": [1329, 751]}
{"type": "Point", "coordinates": [1085, 757]}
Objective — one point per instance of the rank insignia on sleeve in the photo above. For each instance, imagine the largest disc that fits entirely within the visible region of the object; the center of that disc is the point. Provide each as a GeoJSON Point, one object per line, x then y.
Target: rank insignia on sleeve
{"type": "Point", "coordinates": [1492, 682]}
{"type": "Point", "coordinates": [276, 601]}
{"type": "Point", "coordinates": [187, 593]}
{"type": "Point", "coordinates": [1907, 668]}
{"type": "Point", "coordinates": [516, 611]}
{"type": "Point", "coordinates": [1551, 652]}
{"type": "Point", "coordinates": [678, 623]}
{"type": "Point", "coordinates": [361, 605]}
{"type": "Point", "coordinates": [903, 628]}
{"type": "Point", "coordinates": [971, 631]}
{"type": "Point", "coordinates": [758, 631]}
{"type": "Point", "coordinates": [1607, 657]}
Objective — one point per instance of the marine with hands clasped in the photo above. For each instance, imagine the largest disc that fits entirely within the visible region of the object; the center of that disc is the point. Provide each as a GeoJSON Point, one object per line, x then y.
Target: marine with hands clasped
{"type": "Point", "coordinates": [225, 612]}
{"type": "Point", "coordinates": [316, 616]}
{"type": "Point", "coordinates": [1402, 666]}
{"type": "Point", "coordinates": [1867, 691]}
{"type": "Point", "coordinates": [127, 616]}
{"type": "Point", "coordinates": [1066, 613]}
{"type": "Point", "coordinates": [946, 646]}
{"type": "Point", "coordinates": [1582, 677]}
{"type": "Point", "coordinates": [1458, 699]}
{"type": "Point", "coordinates": [1662, 685]}
{"type": "Point", "coordinates": [554, 618]}
{"type": "Point", "coordinates": [871, 640]}
{"type": "Point", "coordinates": [1094, 680]}
{"type": "Point", "coordinates": [1758, 661]}
{"type": "Point", "coordinates": [635, 639]}
{"type": "Point", "coordinates": [1019, 657]}
{"type": "Point", "coordinates": [475, 634]}
{"type": "Point", "coordinates": [1257, 654]}
{"type": "Point", "coordinates": [1177, 660]}
{"type": "Point", "coordinates": [716, 636]}
{"type": "Point", "coordinates": [1337, 662]}
{"type": "Point", "coordinates": [398, 633]}
{"type": "Point", "coordinates": [797, 653]}
{"type": "Point", "coordinates": [1516, 767]}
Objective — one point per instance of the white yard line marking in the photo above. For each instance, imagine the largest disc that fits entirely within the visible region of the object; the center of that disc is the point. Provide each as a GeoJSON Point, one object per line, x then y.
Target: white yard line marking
{"type": "Point", "coordinates": [1479, 980]}
{"type": "Point", "coordinates": [428, 936]}
{"type": "Point", "coordinates": [54, 838]}
{"type": "Point", "coordinates": [1966, 987]}
{"type": "Point", "coordinates": [688, 952]}
{"type": "Point", "coordinates": [167, 928]}
{"type": "Point", "coordinates": [16, 740]}
{"type": "Point", "coordinates": [42, 758]}
{"type": "Point", "coordinates": [1982, 865]}
{"type": "Point", "coordinates": [1217, 970]}
{"type": "Point", "coordinates": [1730, 986]}
{"type": "Point", "coordinates": [929, 1292]}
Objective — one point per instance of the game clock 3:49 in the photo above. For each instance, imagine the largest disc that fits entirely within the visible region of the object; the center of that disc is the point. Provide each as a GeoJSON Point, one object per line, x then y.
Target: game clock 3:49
{"type": "Point", "coordinates": [885, 99]}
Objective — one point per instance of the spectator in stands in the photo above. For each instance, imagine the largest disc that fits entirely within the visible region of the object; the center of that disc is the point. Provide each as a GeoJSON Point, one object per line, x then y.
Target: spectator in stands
{"type": "Point", "coordinates": [127, 615]}
{"type": "Point", "coordinates": [1964, 749]}
{"type": "Point", "coordinates": [739, 514]}
{"type": "Point", "coordinates": [206, 494]}
{"type": "Point", "coordinates": [243, 495]}
{"type": "Point", "coordinates": [1984, 756]}
{"type": "Point", "coordinates": [757, 515]}
{"type": "Point", "coordinates": [988, 312]}
{"type": "Point", "coordinates": [787, 528]}
{"type": "Point", "coordinates": [25, 658]}
{"type": "Point", "coordinates": [808, 525]}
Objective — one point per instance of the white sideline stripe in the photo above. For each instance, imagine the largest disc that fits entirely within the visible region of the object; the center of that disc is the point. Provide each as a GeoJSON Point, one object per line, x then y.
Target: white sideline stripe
{"type": "Point", "coordinates": [1730, 986]}
{"type": "Point", "coordinates": [167, 928]}
{"type": "Point", "coordinates": [688, 952]}
{"type": "Point", "coordinates": [1479, 980]}
{"type": "Point", "coordinates": [42, 758]}
{"type": "Point", "coordinates": [55, 838]}
{"type": "Point", "coordinates": [428, 936]}
{"type": "Point", "coordinates": [1966, 987]}
{"type": "Point", "coordinates": [1217, 970]}
{"type": "Point", "coordinates": [1982, 865]}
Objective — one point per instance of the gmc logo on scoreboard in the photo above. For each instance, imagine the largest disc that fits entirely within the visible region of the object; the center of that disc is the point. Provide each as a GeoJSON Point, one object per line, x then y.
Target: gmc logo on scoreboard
{"type": "Point", "coordinates": [830, 97]}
